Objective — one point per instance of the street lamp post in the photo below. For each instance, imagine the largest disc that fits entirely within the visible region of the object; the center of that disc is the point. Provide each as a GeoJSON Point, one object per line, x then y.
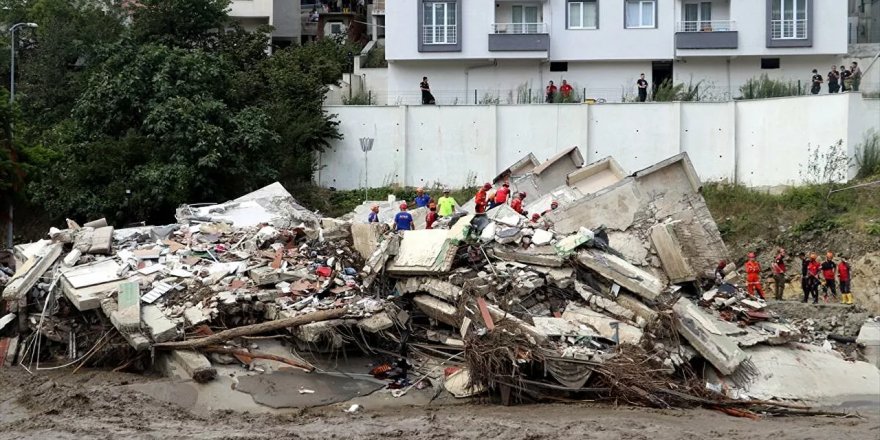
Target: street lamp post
{"type": "Point", "coordinates": [11, 101]}
{"type": "Point", "coordinates": [366, 146]}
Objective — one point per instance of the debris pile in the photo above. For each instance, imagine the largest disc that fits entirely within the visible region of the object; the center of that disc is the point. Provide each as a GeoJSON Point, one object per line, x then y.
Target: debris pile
{"type": "Point", "coordinates": [602, 296]}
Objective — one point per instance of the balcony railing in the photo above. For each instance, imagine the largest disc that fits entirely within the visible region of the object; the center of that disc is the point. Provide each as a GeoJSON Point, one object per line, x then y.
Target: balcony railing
{"type": "Point", "coordinates": [706, 26]}
{"type": "Point", "coordinates": [788, 29]}
{"type": "Point", "coordinates": [519, 28]}
{"type": "Point", "coordinates": [442, 34]}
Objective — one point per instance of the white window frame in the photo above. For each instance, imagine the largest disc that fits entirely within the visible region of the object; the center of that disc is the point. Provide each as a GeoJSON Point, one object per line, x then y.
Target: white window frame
{"type": "Point", "coordinates": [581, 7]}
{"type": "Point", "coordinates": [441, 34]}
{"type": "Point", "coordinates": [793, 21]}
{"type": "Point", "coordinates": [641, 19]}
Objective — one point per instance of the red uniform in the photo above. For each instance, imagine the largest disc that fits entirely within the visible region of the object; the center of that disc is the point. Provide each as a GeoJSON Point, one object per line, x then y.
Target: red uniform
{"type": "Point", "coordinates": [430, 219]}
{"type": "Point", "coordinates": [501, 195]}
{"type": "Point", "coordinates": [516, 204]}
{"type": "Point", "coordinates": [480, 200]}
{"type": "Point", "coordinates": [813, 268]}
{"type": "Point", "coordinates": [843, 271]}
{"type": "Point", "coordinates": [753, 277]}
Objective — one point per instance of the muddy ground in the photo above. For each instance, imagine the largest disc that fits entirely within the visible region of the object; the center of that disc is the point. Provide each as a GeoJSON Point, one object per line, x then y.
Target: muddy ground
{"type": "Point", "coordinates": [102, 405]}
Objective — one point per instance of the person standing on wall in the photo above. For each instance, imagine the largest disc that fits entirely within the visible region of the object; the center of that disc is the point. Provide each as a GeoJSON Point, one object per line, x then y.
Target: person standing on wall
{"type": "Point", "coordinates": [816, 83]}
{"type": "Point", "coordinates": [565, 90]}
{"type": "Point", "coordinates": [855, 76]}
{"type": "Point", "coordinates": [779, 273]}
{"type": "Point", "coordinates": [844, 76]}
{"type": "Point", "coordinates": [427, 97]}
{"type": "Point", "coordinates": [642, 84]}
{"type": "Point", "coordinates": [833, 80]}
{"type": "Point", "coordinates": [550, 92]}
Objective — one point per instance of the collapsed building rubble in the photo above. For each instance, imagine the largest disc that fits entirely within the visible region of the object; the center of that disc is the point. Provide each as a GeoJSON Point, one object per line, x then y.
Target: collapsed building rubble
{"type": "Point", "coordinates": [609, 296]}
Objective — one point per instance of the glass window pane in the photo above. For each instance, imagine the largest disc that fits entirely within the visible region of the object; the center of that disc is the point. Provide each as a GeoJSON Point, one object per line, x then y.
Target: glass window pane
{"type": "Point", "coordinates": [647, 13]}
{"type": "Point", "coordinates": [801, 9]}
{"type": "Point", "coordinates": [632, 14]}
{"type": "Point", "coordinates": [591, 18]}
{"type": "Point", "coordinates": [438, 14]}
{"type": "Point", "coordinates": [775, 12]}
{"type": "Point", "coordinates": [788, 9]}
{"type": "Point", "coordinates": [428, 14]}
{"type": "Point", "coordinates": [574, 15]}
{"type": "Point", "coordinates": [706, 11]}
{"type": "Point", "coordinates": [450, 13]}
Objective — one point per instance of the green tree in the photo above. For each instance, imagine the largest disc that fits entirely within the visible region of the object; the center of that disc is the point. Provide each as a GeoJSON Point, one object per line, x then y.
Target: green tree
{"type": "Point", "coordinates": [183, 23]}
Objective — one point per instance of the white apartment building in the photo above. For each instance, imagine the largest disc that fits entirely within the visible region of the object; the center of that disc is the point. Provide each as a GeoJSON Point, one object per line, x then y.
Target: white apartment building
{"type": "Point", "coordinates": [507, 50]}
{"type": "Point", "coordinates": [284, 15]}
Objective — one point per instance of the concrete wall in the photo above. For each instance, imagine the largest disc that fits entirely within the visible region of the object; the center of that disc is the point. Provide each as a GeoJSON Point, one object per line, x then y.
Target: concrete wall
{"type": "Point", "coordinates": [761, 143]}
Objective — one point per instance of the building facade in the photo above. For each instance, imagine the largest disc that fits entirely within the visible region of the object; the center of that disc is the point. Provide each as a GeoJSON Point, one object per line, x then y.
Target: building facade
{"type": "Point", "coordinates": [506, 51]}
{"type": "Point", "coordinates": [284, 16]}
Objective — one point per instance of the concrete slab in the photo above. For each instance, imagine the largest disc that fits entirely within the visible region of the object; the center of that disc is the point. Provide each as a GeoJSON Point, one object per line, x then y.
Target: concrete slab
{"type": "Point", "coordinates": [127, 317]}
{"type": "Point", "coordinates": [675, 264]}
{"type": "Point", "coordinates": [102, 240]}
{"type": "Point", "coordinates": [568, 245]}
{"type": "Point", "coordinates": [271, 204]}
{"type": "Point", "coordinates": [87, 298]}
{"type": "Point", "coordinates": [557, 326]}
{"type": "Point", "coordinates": [423, 251]}
{"type": "Point", "coordinates": [807, 374]}
{"type": "Point", "coordinates": [639, 308]}
{"type": "Point", "coordinates": [596, 176]}
{"type": "Point", "coordinates": [159, 327]}
{"type": "Point", "coordinates": [540, 255]}
{"type": "Point", "coordinates": [194, 316]}
{"type": "Point", "coordinates": [42, 256]}
{"type": "Point", "coordinates": [602, 324]}
{"type": "Point", "coordinates": [706, 337]}
{"type": "Point", "coordinates": [195, 364]}
{"type": "Point", "coordinates": [365, 237]}
{"type": "Point", "coordinates": [265, 275]}
{"type": "Point", "coordinates": [563, 196]}
{"type": "Point", "coordinates": [376, 323]}
{"type": "Point", "coordinates": [869, 339]}
{"type": "Point", "coordinates": [437, 309]}
{"type": "Point", "coordinates": [628, 276]}
{"type": "Point", "coordinates": [504, 214]}
{"type": "Point", "coordinates": [441, 289]}
{"type": "Point", "coordinates": [616, 207]}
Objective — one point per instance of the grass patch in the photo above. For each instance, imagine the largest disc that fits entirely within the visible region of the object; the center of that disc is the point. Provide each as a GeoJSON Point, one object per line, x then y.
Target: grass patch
{"type": "Point", "coordinates": [337, 203]}
{"type": "Point", "coordinates": [745, 214]}
{"type": "Point", "coordinates": [765, 87]}
{"type": "Point", "coordinates": [868, 156]}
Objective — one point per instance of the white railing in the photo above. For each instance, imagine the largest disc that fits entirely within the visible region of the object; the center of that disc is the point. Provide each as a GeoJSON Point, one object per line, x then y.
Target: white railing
{"type": "Point", "coordinates": [788, 29]}
{"type": "Point", "coordinates": [442, 34]}
{"type": "Point", "coordinates": [519, 28]}
{"type": "Point", "coordinates": [706, 26]}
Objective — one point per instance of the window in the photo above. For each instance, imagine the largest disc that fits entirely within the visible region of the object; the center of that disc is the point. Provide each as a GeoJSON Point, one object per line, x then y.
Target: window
{"type": "Point", "coordinates": [640, 13]}
{"type": "Point", "coordinates": [559, 66]}
{"type": "Point", "coordinates": [769, 63]}
{"type": "Point", "coordinates": [697, 17]}
{"type": "Point", "coordinates": [583, 14]}
{"type": "Point", "coordinates": [439, 25]}
{"type": "Point", "coordinates": [788, 19]}
{"type": "Point", "coordinates": [525, 19]}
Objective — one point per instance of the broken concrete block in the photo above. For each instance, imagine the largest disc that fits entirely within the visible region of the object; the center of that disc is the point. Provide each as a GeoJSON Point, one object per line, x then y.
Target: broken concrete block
{"type": "Point", "coordinates": [376, 323]}
{"type": "Point", "coordinates": [333, 229]}
{"type": "Point", "coordinates": [703, 334]}
{"type": "Point", "coordinates": [499, 315]}
{"type": "Point", "coordinates": [675, 264]}
{"type": "Point", "coordinates": [437, 309]}
{"type": "Point", "coordinates": [508, 235]}
{"type": "Point", "coordinates": [365, 237]}
{"type": "Point", "coordinates": [647, 314]}
{"type": "Point", "coordinates": [127, 317]}
{"type": "Point", "coordinates": [541, 237]}
{"type": "Point", "coordinates": [264, 276]}
{"type": "Point", "coordinates": [562, 277]}
{"type": "Point", "coordinates": [195, 316]}
{"type": "Point", "coordinates": [99, 223]}
{"type": "Point", "coordinates": [436, 287]}
{"type": "Point", "coordinates": [71, 258]}
{"type": "Point", "coordinates": [505, 215]}
{"type": "Point", "coordinates": [101, 240]}
{"type": "Point", "coordinates": [424, 251]}
{"type": "Point", "coordinates": [42, 256]}
{"type": "Point", "coordinates": [160, 328]}
{"type": "Point", "coordinates": [539, 255]}
{"type": "Point", "coordinates": [460, 230]}
{"type": "Point", "coordinates": [869, 339]}
{"type": "Point", "coordinates": [602, 324]}
{"type": "Point", "coordinates": [568, 245]}
{"type": "Point", "coordinates": [800, 372]}
{"type": "Point", "coordinates": [622, 272]}
{"type": "Point", "coordinates": [488, 233]}
{"type": "Point", "coordinates": [556, 326]}
{"type": "Point", "coordinates": [195, 364]}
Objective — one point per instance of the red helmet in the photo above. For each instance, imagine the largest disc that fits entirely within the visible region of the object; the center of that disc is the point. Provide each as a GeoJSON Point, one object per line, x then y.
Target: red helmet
{"type": "Point", "coordinates": [751, 255]}
{"type": "Point", "coordinates": [536, 217]}
{"type": "Point", "coordinates": [522, 195]}
{"type": "Point", "coordinates": [403, 206]}
{"type": "Point", "coordinates": [487, 185]}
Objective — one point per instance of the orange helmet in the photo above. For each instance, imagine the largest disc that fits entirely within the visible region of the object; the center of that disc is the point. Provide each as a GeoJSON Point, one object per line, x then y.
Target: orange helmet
{"type": "Point", "coordinates": [751, 255]}
{"type": "Point", "coordinates": [487, 185]}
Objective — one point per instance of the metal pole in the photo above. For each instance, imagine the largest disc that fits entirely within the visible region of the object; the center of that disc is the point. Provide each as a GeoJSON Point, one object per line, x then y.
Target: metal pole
{"type": "Point", "coordinates": [366, 178]}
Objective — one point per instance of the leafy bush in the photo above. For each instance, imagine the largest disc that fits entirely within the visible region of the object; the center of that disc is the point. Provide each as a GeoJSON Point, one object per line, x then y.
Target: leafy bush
{"type": "Point", "coordinates": [868, 156]}
{"type": "Point", "coordinates": [668, 92]}
{"type": "Point", "coordinates": [375, 58]}
{"type": "Point", "coordinates": [766, 87]}
{"type": "Point", "coordinates": [362, 98]}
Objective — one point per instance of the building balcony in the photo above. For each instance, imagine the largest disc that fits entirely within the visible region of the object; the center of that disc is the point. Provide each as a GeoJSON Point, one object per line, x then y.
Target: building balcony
{"type": "Point", "coordinates": [519, 37]}
{"type": "Point", "coordinates": [706, 34]}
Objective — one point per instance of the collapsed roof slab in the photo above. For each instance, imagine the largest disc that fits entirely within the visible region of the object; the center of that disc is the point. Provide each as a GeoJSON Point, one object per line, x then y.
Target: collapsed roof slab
{"type": "Point", "coordinates": [423, 252]}
{"type": "Point", "coordinates": [620, 271]}
{"type": "Point", "coordinates": [519, 168]}
{"type": "Point", "coordinates": [596, 176]}
{"type": "Point", "coordinates": [271, 204]}
{"type": "Point", "coordinates": [701, 330]}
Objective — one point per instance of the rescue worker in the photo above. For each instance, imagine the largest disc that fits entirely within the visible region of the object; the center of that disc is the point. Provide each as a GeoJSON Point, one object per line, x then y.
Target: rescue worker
{"type": "Point", "coordinates": [843, 275]}
{"type": "Point", "coordinates": [431, 217]}
{"type": "Point", "coordinates": [719, 272]}
{"type": "Point", "coordinates": [517, 202]}
{"type": "Point", "coordinates": [829, 274]}
{"type": "Point", "coordinates": [813, 267]}
{"type": "Point", "coordinates": [779, 273]}
{"type": "Point", "coordinates": [553, 205]}
{"type": "Point", "coordinates": [804, 278]}
{"type": "Point", "coordinates": [374, 214]}
{"type": "Point", "coordinates": [817, 82]}
{"type": "Point", "coordinates": [445, 205]}
{"type": "Point", "coordinates": [481, 198]}
{"type": "Point", "coordinates": [403, 221]}
{"type": "Point", "coordinates": [422, 198]}
{"type": "Point", "coordinates": [753, 276]}
{"type": "Point", "coordinates": [502, 194]}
